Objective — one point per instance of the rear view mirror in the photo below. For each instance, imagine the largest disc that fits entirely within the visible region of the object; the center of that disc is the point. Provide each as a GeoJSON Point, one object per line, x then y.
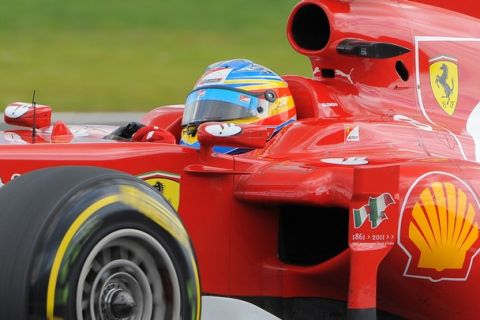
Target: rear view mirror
{"type": "Point", "coordinates": [23, 114]}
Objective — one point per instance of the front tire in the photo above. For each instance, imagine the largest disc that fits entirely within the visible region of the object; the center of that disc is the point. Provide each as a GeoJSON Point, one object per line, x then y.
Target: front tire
{"type": "Point", "coordinates": [89, 243]}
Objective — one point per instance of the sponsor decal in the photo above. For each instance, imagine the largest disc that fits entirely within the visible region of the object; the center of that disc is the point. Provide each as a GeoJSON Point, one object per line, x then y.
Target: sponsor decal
{"type": "Point", "coordinates": [328, 104]}
{"type": "Point", "coordinates": [317, 74]}
{"type": "Point", "coordinates": [245, 99]}
{"type": "Point", "coordinates": [439, 228]}
{"type": "Point", "coordinates": [351, 161]}
{"type": "Point", "coordinates": [213, 77]}
{"type": "Point", "coordinates": [444, 82]}
{"type": "Point", "coordinates": [374, 211]}
{"type": "Point", "coordinates": [168, 184]}
{"type": "Point", "coordinates": [348, 76]}
{"type": "Point", "coordinates": [446, 88]}
{"type": "Point", "coordinates": [367, 221]}
{"type": "Point", "coordinates": [352, 134]}
{"type": "Point", "coordinates": [223, 130]}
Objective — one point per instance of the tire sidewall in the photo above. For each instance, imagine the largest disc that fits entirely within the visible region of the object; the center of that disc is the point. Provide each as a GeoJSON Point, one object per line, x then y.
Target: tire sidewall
{"type": "Point", "coordinates": [110, 218]}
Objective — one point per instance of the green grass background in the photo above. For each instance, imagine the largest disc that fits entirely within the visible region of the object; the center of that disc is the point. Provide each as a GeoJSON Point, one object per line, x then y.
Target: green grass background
{"type": "Point", "coordinates": [119, 55]}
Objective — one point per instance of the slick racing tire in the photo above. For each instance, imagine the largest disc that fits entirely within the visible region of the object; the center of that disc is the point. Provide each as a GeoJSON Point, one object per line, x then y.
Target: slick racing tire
{"type": "Point", "coordinates": [89, 243]}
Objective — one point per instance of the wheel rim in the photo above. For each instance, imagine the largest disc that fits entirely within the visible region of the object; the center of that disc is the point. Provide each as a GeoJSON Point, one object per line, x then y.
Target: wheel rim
{"type": "Point", "coordinates": [128, 275]}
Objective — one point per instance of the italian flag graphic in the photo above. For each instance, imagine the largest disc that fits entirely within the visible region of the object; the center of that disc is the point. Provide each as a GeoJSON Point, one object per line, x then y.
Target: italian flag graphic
{"type": "Point", "coordinates": [374, 210]}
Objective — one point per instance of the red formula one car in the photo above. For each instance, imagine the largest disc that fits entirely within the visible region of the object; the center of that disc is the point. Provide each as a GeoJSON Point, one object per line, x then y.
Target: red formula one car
{"type": "Point", "coordinates": [366, 206]}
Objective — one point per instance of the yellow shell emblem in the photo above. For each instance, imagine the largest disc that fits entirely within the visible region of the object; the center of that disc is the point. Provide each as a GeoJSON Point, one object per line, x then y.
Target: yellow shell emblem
{"type": "Point", "coordinates": [444, 82]}
{"type": "Point", "coordinates": [443, 227]}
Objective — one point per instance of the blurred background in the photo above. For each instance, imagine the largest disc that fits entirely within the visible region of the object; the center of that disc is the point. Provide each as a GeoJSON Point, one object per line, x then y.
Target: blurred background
{"type": "Point", "coordinates": [123, 55]}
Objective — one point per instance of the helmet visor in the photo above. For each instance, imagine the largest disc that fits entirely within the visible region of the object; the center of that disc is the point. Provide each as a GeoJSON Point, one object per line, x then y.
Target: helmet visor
{"type": "Point", "coordinates": [218, 104]}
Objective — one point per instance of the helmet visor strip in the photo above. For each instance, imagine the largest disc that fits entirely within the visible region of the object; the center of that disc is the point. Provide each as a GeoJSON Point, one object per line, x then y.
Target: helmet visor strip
{"type": "Point", "coordinates": [220, 104]}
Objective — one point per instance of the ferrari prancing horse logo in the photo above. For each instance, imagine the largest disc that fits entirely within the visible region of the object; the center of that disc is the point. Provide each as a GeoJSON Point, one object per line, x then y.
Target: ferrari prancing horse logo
{"type": "Point", "coordinates": [444, 82]}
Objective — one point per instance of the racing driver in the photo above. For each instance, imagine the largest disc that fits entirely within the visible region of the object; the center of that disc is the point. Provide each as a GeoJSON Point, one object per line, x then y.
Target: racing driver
{"type": "Point", "coordinates": [235, 91]}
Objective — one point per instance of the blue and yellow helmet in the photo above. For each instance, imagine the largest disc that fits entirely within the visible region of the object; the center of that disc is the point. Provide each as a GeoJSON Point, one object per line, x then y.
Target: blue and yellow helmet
{"type": "Point", "coordinates": [237, 91]}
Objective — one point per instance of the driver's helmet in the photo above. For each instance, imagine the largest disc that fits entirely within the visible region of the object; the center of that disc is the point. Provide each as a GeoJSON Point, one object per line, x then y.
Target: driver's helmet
{"type": "Point", "coordinates": [237, 91]}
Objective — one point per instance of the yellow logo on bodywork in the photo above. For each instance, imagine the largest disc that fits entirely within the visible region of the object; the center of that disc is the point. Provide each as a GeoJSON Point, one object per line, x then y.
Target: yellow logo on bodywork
{"type": "Point", "coordinates": [167, 183]}
{"type": "Point", "coordinates": [444, 82]}
{"type": "Point", "coordinates": [168, 188]}
{"type": "Point", "coordinates": [439, 228]}
{"type": "Point", "coordinates": [443, 227]}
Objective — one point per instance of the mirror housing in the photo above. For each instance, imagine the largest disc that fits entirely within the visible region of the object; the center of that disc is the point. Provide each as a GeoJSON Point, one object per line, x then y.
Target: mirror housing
{"type": "Point", "coordinates": [21, 114]}
{"type": "Point", "coordinates": [248, 136]}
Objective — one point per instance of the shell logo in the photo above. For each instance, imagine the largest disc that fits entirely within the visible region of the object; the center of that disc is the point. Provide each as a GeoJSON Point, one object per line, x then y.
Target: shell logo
{"type": "Point", "coordinates": [443, 231]}
{"type": "Point", "coordinates": [439, 228]}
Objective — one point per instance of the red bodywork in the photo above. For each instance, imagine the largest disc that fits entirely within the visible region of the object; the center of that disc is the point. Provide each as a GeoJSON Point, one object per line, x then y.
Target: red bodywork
{"type": "Point", "coordinates": [370, 198]}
